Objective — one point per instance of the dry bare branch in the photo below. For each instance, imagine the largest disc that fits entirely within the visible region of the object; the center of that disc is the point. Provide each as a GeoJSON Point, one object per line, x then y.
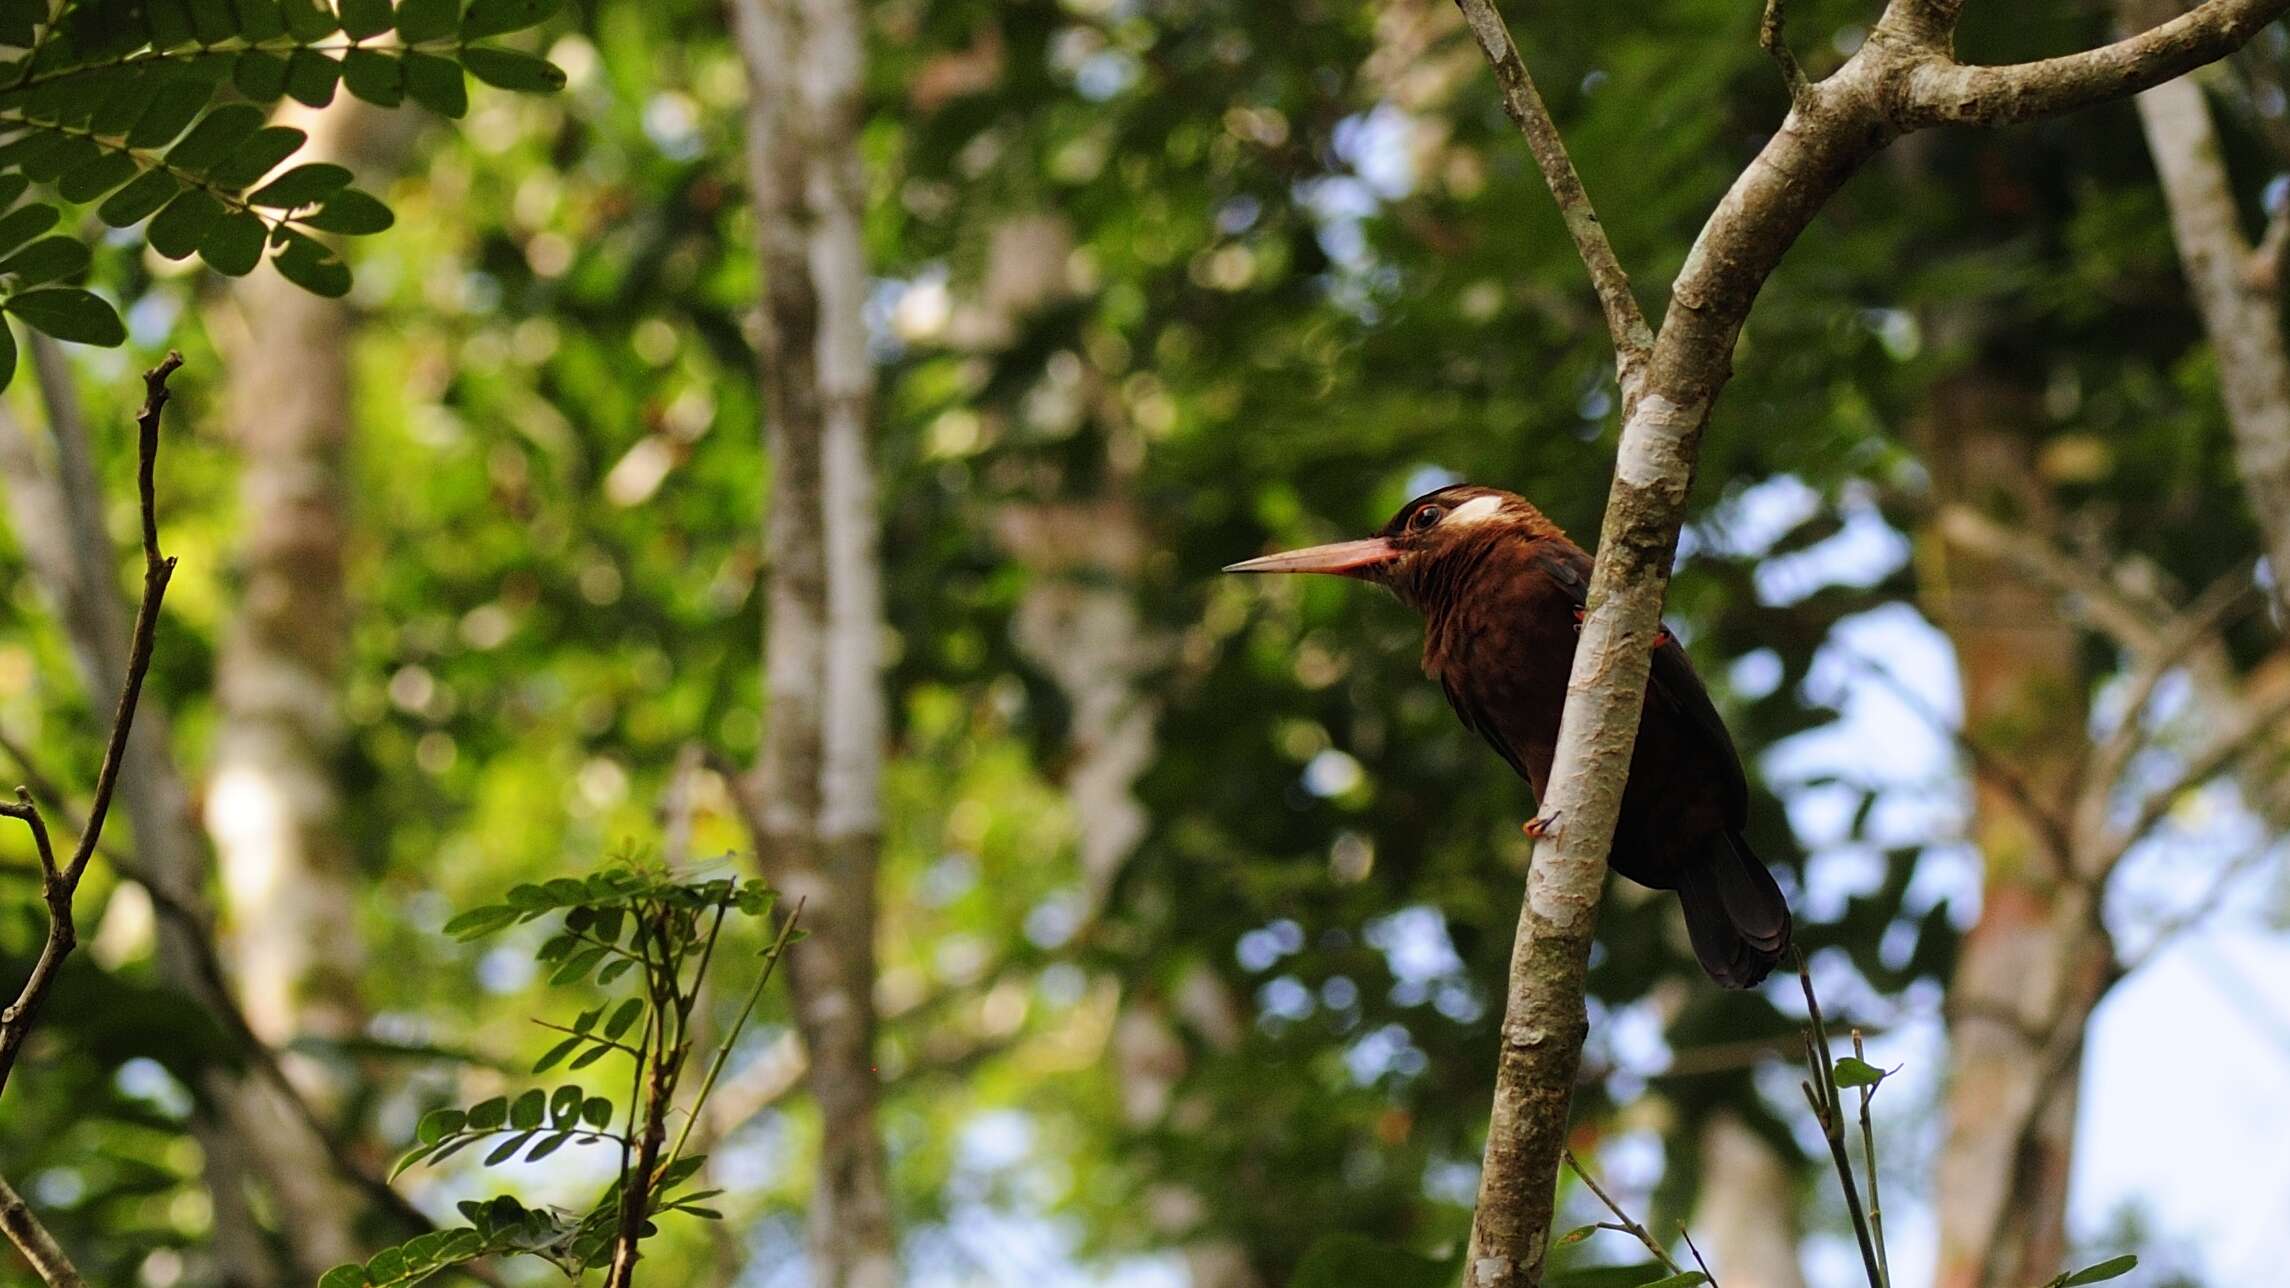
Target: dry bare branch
{"type": "Point", "coordinates": [59, 883]}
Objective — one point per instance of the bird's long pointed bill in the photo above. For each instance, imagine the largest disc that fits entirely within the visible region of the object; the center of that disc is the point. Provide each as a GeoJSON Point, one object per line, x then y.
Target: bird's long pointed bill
{"type": "Point", "coordinates": [1344, 558]}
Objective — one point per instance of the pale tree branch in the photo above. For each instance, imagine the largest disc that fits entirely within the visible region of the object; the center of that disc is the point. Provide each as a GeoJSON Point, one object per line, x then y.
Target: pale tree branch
{"type": "Point", "coordinates": [40, 1249]}
{"type": "Point", "coordinates": [1901, 79]}
{"type": "Point", "coordinates": [1633, 340]}
{"type": "Point", "coordinates": [1939, 91]}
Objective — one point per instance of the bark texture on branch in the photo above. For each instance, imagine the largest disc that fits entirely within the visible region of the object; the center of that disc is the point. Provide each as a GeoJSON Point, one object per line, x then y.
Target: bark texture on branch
{"type": "Point", "coordinates": [816, 793]}
{"type": "Point", "coordinates": [2241, 311]}
{"type": "Point", "coordinates": [32, 1239]}
{"type": "Point", "coordinates": [1903, 77]}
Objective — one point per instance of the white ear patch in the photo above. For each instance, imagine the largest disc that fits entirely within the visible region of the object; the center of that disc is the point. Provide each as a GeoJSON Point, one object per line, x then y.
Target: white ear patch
{"type": "Point", "coordinates": [1478, 509]}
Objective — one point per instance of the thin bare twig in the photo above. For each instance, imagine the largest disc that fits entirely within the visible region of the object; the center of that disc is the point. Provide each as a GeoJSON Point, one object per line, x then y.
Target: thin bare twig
{"type": "Point", "coordinates": [1704, 1266]}
{"type": "Point", "coordinates": [1821, 1093]}
{"type": "Point", "coordinates": [33, 1240]}
{"type": "Point", "coordinates": [1633, 339]}
{"type": "Point", "coordinates": [1772, 39]}
{"type": "Point", "coordinates": [2213, 759]}
{"type": "Point", "coordinates": [1626, 1226]}
{"type": "Point", "coordinates": [1869, 1157]}
{"type": "Point", "coordinates": [59, 883]}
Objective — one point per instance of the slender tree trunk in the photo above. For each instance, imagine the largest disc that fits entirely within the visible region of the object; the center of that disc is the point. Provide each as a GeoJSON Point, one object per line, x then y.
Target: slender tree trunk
{"type": "Point", "coordinates": [2035, 964]}
{"type": "Point", "coordinates": [274, 804]}
{"type": "Point", "coordinates": [819, 779]}
{"type": "Point", "coordinates": [1747, 1214]}
{"type": "Point", "coordinates": [2239, 297]}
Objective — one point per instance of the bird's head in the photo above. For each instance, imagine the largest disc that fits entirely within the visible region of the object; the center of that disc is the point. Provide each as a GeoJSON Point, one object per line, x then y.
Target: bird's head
{"type": "Point", "coordinates": [1422, 538]}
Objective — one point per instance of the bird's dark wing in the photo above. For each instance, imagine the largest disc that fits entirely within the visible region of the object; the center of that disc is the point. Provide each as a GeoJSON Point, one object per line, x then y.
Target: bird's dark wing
{"type": "Point", "coordinates": [1673, 684]}
{"type": "Point", "coordinates": [1676, 687]}
{"type": "Point", "coordinates": [1475, 719]}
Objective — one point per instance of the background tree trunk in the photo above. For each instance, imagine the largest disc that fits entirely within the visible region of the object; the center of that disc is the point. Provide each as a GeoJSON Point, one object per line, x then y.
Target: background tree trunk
{"type": "Point", "coordinates": [818, 786]}
{"type": "Point", "coordinates": [2035, 963]}
{"type": "Point", "coordinates": [1746, 1217]}
{"type": "Point", "coordinates": [274, 802]}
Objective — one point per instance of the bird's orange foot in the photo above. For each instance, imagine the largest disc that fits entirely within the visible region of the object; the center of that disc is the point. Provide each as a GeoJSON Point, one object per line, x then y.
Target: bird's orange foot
{"type": "Point", "coordinates": [1540, 826]}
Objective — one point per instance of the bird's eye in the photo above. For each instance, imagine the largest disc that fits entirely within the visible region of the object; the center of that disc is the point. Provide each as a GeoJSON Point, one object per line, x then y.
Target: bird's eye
{"type": "Point", "coordinates": [1424, 518]}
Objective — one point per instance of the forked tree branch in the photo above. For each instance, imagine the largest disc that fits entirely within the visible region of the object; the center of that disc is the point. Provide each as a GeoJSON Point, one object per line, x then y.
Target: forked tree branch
{"type": "Point", "coordinates": [1902, 78]}
{"type": "Point", "coordinates": [1941, 91]}
{"type": "Point", "coordinates": [1633, 339]}
{"type": "Point", "coordinates": [60, 882]}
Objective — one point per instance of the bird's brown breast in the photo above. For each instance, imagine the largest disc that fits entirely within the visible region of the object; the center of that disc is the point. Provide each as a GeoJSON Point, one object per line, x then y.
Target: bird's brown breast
{"type": "Point", "coordinates": [1500, 638]}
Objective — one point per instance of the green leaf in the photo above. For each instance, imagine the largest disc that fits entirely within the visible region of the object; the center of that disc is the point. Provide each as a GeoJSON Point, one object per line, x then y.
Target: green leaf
{"type": "Point", "coordinates": [173, 104]}
{"type": "Point", "coordinates": [19, 19]}
{"type": "Point", "coordinates": [412, 1157]}
{"type": "Point", "coordinates": [704, 1213]}
{"type": "Point", "coordinates": [1604, 1276]}
{"type": "Point", "coordinates": [374, 76]}
{"type": "Point", "coordinates": [68, 313]}
{"type": "Point", "coordinates": [363, 18]}
{"type": "Point", "coordinates": [212, 21]}
{"type": "Point", "coordinates": [287, 190]}
{"type": "Point", "coordinates": [556, 1055]}
{"type": "Point", "coordinates": [1574, 1236]}
{"type": "Point", "coordinates": [500, 17]}
{"type": "Point", "coordinates": [260, 75]}
{"type": "Point", "coordinates": [311, 76]}
{"type": "Point", "coordinates": [178, 229]}
{"type": "Point", "coordinates": [386, 1266]}
{"type": "Point", "coordinates": [624, 1017]}
{"type": "Point", "coordinates": [308, 20]}
{"type": "Point", "coordinates": [438, 1124]}
{"type": "Point", "coordinates": [613, 970]}
{"type": "Point", "coordinates": [234, 245]}
{"type": "Point", "coordinates": [1858, 1073]}
{"type": "Point", "coordinates": [526, 1110]}
{"type": "Point", "coordinates": [577, 966]}
{"type": "Point", "coordinates": [596, 1111]}
{"type": "Point", "coordinates": [24, 223]}
{"type": "Point", "coordinates": [301, 186]}
{"type": "Point", "coordinates": [510, 69]}
{"type": "Point", "coordinates": [486, 1115]}
{"type": "Point", "coordinates": [215, 137]}
{"type": "Point", "coordinates": [51, 164]}
{"type": "Point", "coordinates": [421, 20]}
{"type": "Point", "coordinates": [7, 357]}
{"type": "Point", "coordinates": [97, 177]}
{"type": "Point", "coordinates": [311, 265]}
{"type": "Point", "coordinates": [348, 1276]}
{"type": "Point", "coordinates": [549, 1145]}
{"type": "Point", "coordinates": [258, 155]}
{"type": "Point", "coordinates": [564, 1106]}
{"type": "Point", "coordinates": [135, 203]}
{"type": "Point", "coordinates": [350, 211]}
{"type": "Point", "coordinates": [260, 20]}
{"type": "Point", "coordinates": [589, 1057]}
{"type": "Point", "coordinates": [12, 186]}
{"type": "Point", "coordinates": [507, 1149]}
{"type": "Point", "coordinates": [1687, 1279]}
{"type": "Point", "coordinates": [2112, 1268]}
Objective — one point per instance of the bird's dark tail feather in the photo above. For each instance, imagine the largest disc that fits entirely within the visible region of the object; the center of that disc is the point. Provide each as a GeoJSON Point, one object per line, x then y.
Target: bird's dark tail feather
{"type": "Point", "coordinates": [1735, 915]}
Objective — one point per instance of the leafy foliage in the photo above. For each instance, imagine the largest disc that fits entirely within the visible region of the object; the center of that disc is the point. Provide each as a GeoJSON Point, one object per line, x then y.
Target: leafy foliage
{"type": "Point", "coordinates": [156, 109]}
{"type": "Point", "coordinates": [662, 931]}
